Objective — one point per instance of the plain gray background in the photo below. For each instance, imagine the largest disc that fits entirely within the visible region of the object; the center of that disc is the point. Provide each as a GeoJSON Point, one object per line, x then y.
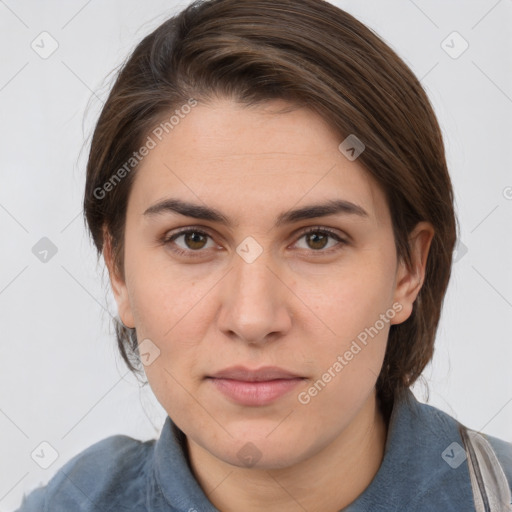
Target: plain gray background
{"type": "Point", "coordinates": [61, 379]}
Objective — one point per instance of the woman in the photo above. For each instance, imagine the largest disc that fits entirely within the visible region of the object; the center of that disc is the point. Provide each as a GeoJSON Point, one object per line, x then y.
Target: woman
{"type": "Point", "coordinates": [268, 187]}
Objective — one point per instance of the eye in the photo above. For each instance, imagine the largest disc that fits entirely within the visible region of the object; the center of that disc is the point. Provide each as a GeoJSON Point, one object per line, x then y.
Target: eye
{"type": "Point", "coordinates": [194, 240]}
{"type": "Point", "coordinates": [317, 239]}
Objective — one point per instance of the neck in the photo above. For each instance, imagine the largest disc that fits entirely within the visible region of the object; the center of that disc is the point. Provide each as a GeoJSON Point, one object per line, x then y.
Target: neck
{"type": "Point", "coordinates": [330, 480]}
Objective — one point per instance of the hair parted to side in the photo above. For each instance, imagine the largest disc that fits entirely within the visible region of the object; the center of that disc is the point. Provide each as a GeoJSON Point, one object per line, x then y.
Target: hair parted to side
{"type": "Point", "coordinates": [313, 54]}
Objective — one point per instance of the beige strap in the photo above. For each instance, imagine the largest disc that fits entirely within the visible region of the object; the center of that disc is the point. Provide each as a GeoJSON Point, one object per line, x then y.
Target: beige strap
{"type": "Point", "coordinates": [491, 490]}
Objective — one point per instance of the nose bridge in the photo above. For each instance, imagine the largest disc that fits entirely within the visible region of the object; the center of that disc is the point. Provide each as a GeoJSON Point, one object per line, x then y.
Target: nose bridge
{"type": "Point", "coordinates": [254, 302]}
{"type": "Point", "coordinates": [254, 278]}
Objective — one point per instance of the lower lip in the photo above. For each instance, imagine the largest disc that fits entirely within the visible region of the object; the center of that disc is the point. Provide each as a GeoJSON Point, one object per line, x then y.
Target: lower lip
{"type": "Point", "coordinates": [255, 393]}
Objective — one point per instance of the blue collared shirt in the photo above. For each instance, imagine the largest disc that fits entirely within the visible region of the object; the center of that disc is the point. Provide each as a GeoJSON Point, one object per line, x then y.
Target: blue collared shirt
{"type": "Point", "coordinates": [422, 470]}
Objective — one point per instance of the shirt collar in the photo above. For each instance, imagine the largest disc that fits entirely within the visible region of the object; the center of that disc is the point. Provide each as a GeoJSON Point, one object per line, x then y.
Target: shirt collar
{"type": "Point", "coordinates": [418, 466]}
{"type": "Point", "coordinates": [172, 482]}
{"type": "Point", "coordinates": [424, 465]}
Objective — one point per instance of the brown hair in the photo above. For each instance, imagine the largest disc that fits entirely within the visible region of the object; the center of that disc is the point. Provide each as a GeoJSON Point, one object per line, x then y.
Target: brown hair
{"type": "Point", "coordinates": [313, 54]}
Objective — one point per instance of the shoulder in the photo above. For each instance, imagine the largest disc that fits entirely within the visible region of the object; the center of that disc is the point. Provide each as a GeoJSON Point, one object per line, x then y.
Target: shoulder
{"type": "Point", "coordinates": [501, 448]}
{"type": "Point", "coordinates": [436, 438]}
{"type": "Point", "coordinates": [95, 476]}
{"type": "Point", "coordinates": [442, 420]}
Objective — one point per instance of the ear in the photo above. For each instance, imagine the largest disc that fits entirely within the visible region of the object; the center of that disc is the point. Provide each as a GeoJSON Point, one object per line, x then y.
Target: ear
{"type": "Point", "coordinates": [409, 279]}
{"type": "Point", "coordinates": [117, 282]}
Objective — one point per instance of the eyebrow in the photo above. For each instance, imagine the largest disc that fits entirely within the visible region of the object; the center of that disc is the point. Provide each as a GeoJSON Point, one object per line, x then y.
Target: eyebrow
{"type": "Point", "coordinates": [197, 211]}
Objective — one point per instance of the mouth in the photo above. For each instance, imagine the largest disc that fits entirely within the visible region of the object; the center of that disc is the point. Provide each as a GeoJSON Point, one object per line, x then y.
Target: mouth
{"type": "Point", "coordinates": [263, 374]}
{"type": "Point", "coordinates": [254, 387]}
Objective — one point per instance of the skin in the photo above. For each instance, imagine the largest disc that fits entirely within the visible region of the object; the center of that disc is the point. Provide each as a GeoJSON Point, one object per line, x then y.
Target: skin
{"type": "Point", "coordinates": [298, 305]}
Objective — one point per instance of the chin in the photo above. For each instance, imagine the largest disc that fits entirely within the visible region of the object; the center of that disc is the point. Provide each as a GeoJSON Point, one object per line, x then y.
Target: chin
{"type": "Point", "coordinates": [259, 450]}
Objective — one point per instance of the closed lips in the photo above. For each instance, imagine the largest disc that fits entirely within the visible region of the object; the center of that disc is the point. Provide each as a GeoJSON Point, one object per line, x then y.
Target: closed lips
{"type": "Point", "coordinates": [263, 374]}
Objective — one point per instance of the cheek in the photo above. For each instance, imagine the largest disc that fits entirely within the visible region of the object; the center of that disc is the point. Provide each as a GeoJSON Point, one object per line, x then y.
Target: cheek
{"type": "Point", "coordinates": [167, 319]}
{"type": "Point", "coordinates": [160, 296]}
{"type": "Point", "coordinates": [348, 357]}
{"type": "Point", "coordinates": [165, 306]}
{"type": "Point", "coordinates": [356, 312]}
{"type": "Point", "coordinates": [168, 316]}
{"type": "Point", "coordinates": [355, 295]}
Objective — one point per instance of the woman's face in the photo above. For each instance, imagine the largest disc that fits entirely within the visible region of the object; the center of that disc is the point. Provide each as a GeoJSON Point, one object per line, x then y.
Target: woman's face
{"type": "Point", "coordinates": [249, 288]}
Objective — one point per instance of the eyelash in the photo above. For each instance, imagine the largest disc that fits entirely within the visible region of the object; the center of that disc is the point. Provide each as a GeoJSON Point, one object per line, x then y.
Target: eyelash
{"type": "Point", "coordinates": [168, 239]}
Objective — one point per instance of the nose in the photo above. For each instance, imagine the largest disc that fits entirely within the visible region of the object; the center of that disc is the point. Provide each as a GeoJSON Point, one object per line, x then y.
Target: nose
{"type": "Point", "coordinates": [255, 302]}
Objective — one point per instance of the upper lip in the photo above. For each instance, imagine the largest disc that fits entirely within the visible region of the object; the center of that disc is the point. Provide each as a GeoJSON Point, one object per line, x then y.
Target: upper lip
{"type": "Point", "coordinates": [258, 375]}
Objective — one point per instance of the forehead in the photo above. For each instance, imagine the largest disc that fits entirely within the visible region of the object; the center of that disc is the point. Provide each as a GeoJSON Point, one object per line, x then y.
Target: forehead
{"type": "Point", "coordinates": [238, 158]}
